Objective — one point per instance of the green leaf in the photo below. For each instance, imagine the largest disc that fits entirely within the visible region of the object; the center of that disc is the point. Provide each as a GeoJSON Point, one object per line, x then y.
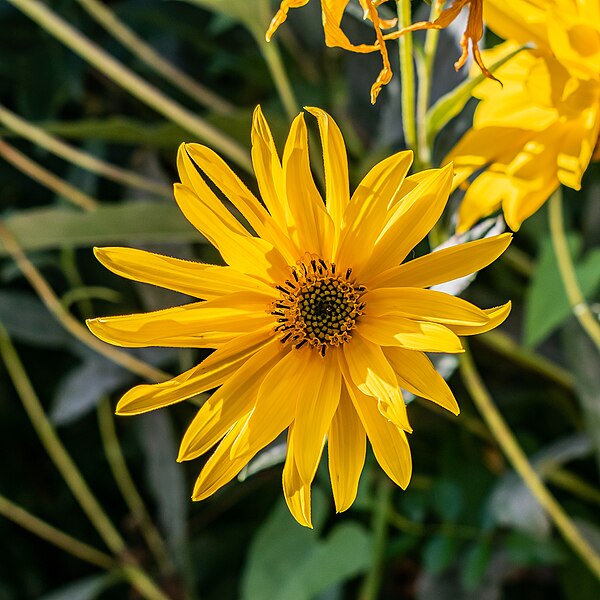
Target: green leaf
{"type": "Point", "coordinates": [166, 479]}
{"type": "Point", "coordinates": [546, 303]}
{"type": "Point", "coordinates": [476, 563]}
{"type": "Point", "coordinates": [289, 562]}
{"type": "Point", "coordinates": [439, 553]}
{"type": "Point", "coordinates": [131, 222]}
{"type": "Point", "coordinates": [121, 130]}
{"type": "Point", "coordinates": [450, 105]}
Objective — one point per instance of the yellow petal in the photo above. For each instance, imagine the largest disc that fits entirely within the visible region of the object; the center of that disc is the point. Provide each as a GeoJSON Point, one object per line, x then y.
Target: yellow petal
{"type": "Point", "coordinates": [220, 469]}
{"type": "Point", "coordinates": [268, 170]}
{"type": "Point", "coordinates": [366, 214]}
{"type": "Point", "coordinates": [346, 448]}
{"type": "Point", "coordinates": [296, 491]}
{"type": "Point", "coordinates": [394, 330]}
{"type": "Point", "coordinates": [372, 374]}
{"type": "Point", "coordinates": [496, 315]}
{"type": "Point", "coordinates": [520, 20]}
{"type": "Point", "coordinates": [250, 255]}
{"type": "Point", "coordinates": [425, 305]}
{"type": "Point", "coordinates": [191, 179]}
{"type": "Point", "coordinates": [317, 403]}
{"type": "Point", "coordinates": [281, 15]}
{"type": "Point", "coordinates": [185, 276]}
{"type": "Point", "coordinates": [235, 398]}
{"type": "Point", "coordinates": [217, 170]}
{"type": "Point", "coordinates": [210, 373]}
{"type": "Point", "coordinates": [315, 227]}
{"type": "Point", "coordinates": [389, 442]}
{"type": "Point", "coordinates": [196, 325]}
{"type": "Point", "coordinates": [410, 221]}
{"type": "Point", "coordinates": [417, 375]}
{"type": "Point", "coordinates": [446, 264]}
{"type": "Point", "coordinates": [275, 409]}
{"type": "Point", "coordinates": [336, 166]}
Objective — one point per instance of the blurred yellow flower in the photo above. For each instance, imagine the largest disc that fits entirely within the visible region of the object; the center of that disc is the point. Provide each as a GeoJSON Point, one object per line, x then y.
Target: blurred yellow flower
{"type": "Point", "coordinates": [317, 325]}
{"type": "Point", "coordinates": [541, 129]}
{"type": "Point", "coordinates": [333, 11]}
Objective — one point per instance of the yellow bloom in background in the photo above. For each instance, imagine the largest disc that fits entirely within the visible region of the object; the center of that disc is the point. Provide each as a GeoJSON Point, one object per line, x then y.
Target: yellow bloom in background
{"type": "Point", "coordinates": [316, 324]}
{"type": "Point", "coordinates": [333, 11]}
{"type": "Point", "coordinates": [541, 129]}
{"type": "Point", "coordinates": [472, 35]}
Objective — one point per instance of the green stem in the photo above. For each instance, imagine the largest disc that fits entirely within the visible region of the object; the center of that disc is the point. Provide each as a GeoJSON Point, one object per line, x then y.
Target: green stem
{"type": "Point", "coordinates": [45, 177]}
{"type": "Point", "coordinates": [152, 59]}
{"type": "Point", "coordinates": [381, 510]}
{"type": "Point", "coordinates": [518, 459]}
{"type": "Point", "coordinates": [124, 481]}
{"type": "Point", "coordinates": [577, 301]}
{"type": "Point", "coordinates": [407, 73]}
{"type": "Point", "coordinates": [55, 536]}
{"type": "Point", "coordinates": [78, 157]}
{"type": "Point", "coordinates": [131, 82]}
{"type": "Point", "coordinates": [574, 484]}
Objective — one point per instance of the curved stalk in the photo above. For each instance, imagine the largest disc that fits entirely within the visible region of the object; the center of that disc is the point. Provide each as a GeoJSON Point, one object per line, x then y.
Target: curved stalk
{"type": "Point", "coordinates": [518, 459]}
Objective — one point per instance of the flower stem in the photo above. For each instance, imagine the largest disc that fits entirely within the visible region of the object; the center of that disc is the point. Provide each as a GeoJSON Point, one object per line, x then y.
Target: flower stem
{"type": "Point", "coordinates": [577, 301]}
{"type": "Point", "coordinates": [45, 177]}
{"type": "Point", "coordinates": [79, 157]}
{"type": "Point", "coordinates": [272, 56]}
{"type": "Point", "coordinates": [407, 73]}
{"type": "Point", "coordinates": [152, 59]}
{"type": "Point", "coordinates": [381, 510]}
{"type": "Point", "coordinates": [67, 320]}
{"type": "Point", "coordinates": [424, 86]}
{"type": "Point", "coordinates": [55, 536]}
{"type": "Point", "coordinates": [518, 459]}
{"type": "Point", "coordinates": [127, 79]}
{"type": "Point", "coordinates": [118, 466]}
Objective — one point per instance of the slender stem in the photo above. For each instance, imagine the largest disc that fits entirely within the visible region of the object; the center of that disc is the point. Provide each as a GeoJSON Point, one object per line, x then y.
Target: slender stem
{"type": "Point", "coordinates": [78, 157]}
{"type": "Point", "coordinates": [272, 55]}
{"type": "Point", "coordinates": [45, 177]}
{"type": "Point", "coordinates": [145, 53]}
{"type": "Point", "coordinates": [425, 72]}
{"type": "Point", "coordinates": [124, 481]}
{"type": "Point", "coordinates": [55, 536]}
{"type": "Point", "coordinates": [381, 510]}
{"type": "Point", "coordinates": [54, 447]}
{"type": "Point", "coordinates": [567, 271]}
{"type": "Point", "coordinates": [142, 583]}
{"type": "Point", "coordinates": [503, 344]}
{"type": "Point", "coordinates": [131, 82]}
{"type": "Point", "coordinates": [407, 73]}
{"type": "Point", "coordinates": [66, 319]}
{"type": "Point", "coordinates": [574, 484]}
{"type": "Point", "coordinates": [518, 459]}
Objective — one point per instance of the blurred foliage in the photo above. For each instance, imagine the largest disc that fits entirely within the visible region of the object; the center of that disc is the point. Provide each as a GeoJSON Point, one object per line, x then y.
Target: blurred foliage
{"type": "Point", "coordinates": [466, 528]}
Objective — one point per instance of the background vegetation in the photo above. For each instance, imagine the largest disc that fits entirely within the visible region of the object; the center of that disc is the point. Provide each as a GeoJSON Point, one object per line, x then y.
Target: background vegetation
{"type": "Point", "coordinates": [467, 527]}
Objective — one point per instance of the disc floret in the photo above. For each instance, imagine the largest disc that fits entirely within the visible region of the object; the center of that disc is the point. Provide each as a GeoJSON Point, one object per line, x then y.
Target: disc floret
{"type": "Point", "coordinates": [317, 305]}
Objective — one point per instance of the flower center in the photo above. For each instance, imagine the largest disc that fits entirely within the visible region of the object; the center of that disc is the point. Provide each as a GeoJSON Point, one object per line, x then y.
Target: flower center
{"type": "Point", "coordinates": [317, 305]}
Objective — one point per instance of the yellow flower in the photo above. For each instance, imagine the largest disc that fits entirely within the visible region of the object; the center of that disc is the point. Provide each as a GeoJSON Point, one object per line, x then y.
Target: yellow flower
{"type": "Point", "coordinates": [317, 325]}
{"type": "Point", "coordinates": [333, 11]}
{"type": "Point", "coordinates": [473, 32]}
{"type": "Point", "coordinates": [541, 129]}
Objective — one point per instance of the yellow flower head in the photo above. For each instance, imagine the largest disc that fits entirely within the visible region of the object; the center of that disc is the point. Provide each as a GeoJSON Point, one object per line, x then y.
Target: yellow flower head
{"type": "Point", "coordinates": [541, 129]}
{"type": "Point", "coordinates": [316, 322]}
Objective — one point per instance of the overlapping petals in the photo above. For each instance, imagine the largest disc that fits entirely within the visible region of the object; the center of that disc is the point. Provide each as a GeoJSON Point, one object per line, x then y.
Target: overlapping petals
{"type": "Point", "coordinates": [541, 130]}
{"type": "Point", "coordinates": [277, 366]}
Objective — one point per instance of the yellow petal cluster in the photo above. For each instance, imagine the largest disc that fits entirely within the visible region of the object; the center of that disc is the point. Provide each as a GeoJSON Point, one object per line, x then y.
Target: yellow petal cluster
{"type": "Point", "coordinates": [333, 11]}
{"type": "Point", "coordinates": [541, 129]}
{"type": "Point", "coordinates": [316, 321]}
